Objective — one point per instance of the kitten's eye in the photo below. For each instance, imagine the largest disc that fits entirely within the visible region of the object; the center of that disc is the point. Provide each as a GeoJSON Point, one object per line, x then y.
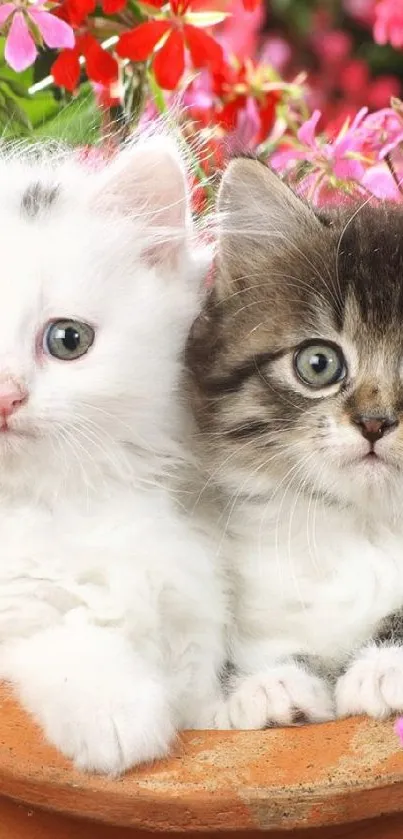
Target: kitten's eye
{"type": "Point", "coordinates": [319, 365]}
{"type": "Point", "coordinates": [68, 339]}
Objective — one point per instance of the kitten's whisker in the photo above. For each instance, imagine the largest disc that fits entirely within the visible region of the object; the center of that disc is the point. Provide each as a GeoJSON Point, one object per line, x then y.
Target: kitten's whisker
{"type": "Point", "coordinates": [298, 491]}
{"type": "Point", "coordinates": [70, 442]}
{"type": "Point", "coordinates": [215, 474]}
{"type": "Point", "coordinates": [249, 477]}
{"type": "Point", "coordinates": [115, 457]}
{"type": "Point", "coordinates": [290, 476]}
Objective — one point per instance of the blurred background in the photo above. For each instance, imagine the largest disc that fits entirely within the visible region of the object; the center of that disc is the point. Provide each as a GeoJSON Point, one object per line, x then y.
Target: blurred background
{"type": "Point", "coordinates": [329, 45]}
{"type": "Point", "coordinates": [312, 87]}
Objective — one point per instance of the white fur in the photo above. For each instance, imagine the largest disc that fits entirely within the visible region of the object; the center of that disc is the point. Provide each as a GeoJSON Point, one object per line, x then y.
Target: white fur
{"type": "Point", "coordinates": [110, 613]}
{"type": "Point", "coordinates": [312, 577]}
{"type": "Point", "coordinates": [373, 684]}
{"type": "Point", "coordinates": [275, 696]}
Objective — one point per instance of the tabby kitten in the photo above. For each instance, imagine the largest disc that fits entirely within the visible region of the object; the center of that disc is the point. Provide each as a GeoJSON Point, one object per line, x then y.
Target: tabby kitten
{"type": "Point", "coordinates": [296, 380]}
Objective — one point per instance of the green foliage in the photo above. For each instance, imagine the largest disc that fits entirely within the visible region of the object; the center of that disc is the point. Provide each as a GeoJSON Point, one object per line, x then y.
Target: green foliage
{"type": "Point", "coordinates": [45, 113]}
{"type": "Point", "coordinates": [76, 121]}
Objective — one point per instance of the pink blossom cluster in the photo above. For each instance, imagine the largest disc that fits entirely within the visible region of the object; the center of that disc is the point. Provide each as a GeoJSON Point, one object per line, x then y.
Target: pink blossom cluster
{"type": "Point", "coordinates": [364, 159]}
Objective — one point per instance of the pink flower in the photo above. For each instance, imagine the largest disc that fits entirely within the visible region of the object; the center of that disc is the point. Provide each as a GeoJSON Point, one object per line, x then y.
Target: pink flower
{"type": "Point", "coordinates": [363, 11]}
{"type": "Point", "coordinates": [382, 132]}
{"type": "Point", "coordinates": [379, 180]}
{"type": "Point", "coordinates": [339, 159]}
{"type": "Point", "coordinates": [334, 47]}
{"type": "Point", "coordinates": [354, 80]}
{"type": "Point", "coordinates": [239, 31]}
{"type": "Point", "coordinates": [399, 728]}
{"type": "Point", "coordinates": [382, 90]}
{"type": "Point", "coordinates": [388, 27]}
{"type": "Point", "coordinates": [277, 52]}
{"type": "Point", "coordinates": [22, 18]}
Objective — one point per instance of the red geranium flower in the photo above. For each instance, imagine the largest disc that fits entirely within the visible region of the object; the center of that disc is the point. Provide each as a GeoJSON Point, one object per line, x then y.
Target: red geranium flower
{"type": "Point", "coordinates": [77, 11]}
{"type": "Point", "coordinates": [100, 66]}
{"type": "Point", "coordinates": [251, 5]}
{"type": "Point", "coordinates": [233, 86]}
{"type": "Point", "coordinates": [168, 37]}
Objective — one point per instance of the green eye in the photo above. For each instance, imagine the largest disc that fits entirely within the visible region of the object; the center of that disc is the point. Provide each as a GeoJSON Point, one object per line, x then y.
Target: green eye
{"type": "Point", "coordinates": [68, 339]}
{"type": "Point", "coordinates": [319, 365]}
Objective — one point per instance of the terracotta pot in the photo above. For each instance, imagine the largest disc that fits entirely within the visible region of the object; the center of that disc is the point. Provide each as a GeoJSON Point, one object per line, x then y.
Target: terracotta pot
{"type": "Point", "coordinates": [329, 778]}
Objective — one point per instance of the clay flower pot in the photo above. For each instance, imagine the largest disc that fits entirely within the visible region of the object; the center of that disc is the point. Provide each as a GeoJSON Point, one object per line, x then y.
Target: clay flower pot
{"type": "Point", "coordinates": [329, 778]}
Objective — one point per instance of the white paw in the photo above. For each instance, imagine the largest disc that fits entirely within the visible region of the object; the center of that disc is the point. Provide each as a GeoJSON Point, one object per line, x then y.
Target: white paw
{"type": "Point", "coordinates": [124, 726]}
{"type": "Point", "coordinates": [284, 695]}
{"type": "Point", "coordinates": [96, 702]}
{"type": "Point", "coordinates": [373, 684]}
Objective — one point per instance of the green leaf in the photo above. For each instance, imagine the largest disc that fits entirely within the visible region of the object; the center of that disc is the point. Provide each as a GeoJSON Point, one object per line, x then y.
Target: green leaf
{"type": "Point", "coordinates": [136, 11]}
{"type": "Point", "coordinates": [17, 114]}
{"type": "Point", "coordinates": [77, 123]}
{"type": "Point", "coordinates": [157, 94]}
{"type": "Point", "coordinates": [16, 87]}
{"type": "Point", "coordinates": [10, 126]}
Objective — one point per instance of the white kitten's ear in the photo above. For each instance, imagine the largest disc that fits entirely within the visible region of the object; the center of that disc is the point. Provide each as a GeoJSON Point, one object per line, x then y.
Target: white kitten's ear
{"type": "Point", "coordinates": [148, 182]}
{"type": "Point", "coordinates": [258, 216]}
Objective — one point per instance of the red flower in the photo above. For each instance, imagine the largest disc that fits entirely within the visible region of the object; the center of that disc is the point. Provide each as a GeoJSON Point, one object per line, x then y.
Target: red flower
{"type": "Point", "coordinates": [110, 7]}
{"type": "Point", "coordinates": [251, 5]}
{"type": "Point", "coordinates": [175, 33]}
{"type": "Point", "coordinates": [66, 69]}
{"type": "Point", "coordinates": [77, 11]}
{"type": "Point", "coordinates": [234, 86]}
{"type": "Point", "coordinates": [101, 67]}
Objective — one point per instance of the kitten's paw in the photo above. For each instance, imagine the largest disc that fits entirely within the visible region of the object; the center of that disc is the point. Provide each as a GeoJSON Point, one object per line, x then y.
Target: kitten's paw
{"type": "Point", "coordinates": [284, 695]}
{"type": "Point", "coordinates": [96, 701]}
{"type": "Point", "coordinates": [112, 732]}
{"type": "Point", "coordinates": [373, 684]}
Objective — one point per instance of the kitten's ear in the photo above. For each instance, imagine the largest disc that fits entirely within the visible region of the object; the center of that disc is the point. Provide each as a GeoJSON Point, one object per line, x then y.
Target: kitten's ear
{"type": "Point", "coordinates": [259, 216]}
{"type": "Point", "coordinates": [148, 182]}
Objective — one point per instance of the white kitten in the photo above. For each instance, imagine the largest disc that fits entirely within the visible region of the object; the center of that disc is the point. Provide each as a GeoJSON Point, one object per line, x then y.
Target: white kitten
{"type": "Point", "coordinates": [110, 614]}
{"type": "Point", "coordinates": [297, 378]}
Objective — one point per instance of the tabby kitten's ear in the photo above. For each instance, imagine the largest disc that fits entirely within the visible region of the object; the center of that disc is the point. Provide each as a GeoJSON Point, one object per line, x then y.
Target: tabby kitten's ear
{"type": "Point", "coordinates": [260, 219]}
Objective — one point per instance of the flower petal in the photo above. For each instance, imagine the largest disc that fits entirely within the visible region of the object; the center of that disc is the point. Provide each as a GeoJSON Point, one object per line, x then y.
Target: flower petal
{"type": "Point", "coordinates": [228, 115]}
{"type": "Point", "coordinates": [306, 134]}
{"type": "Point", "coordinates": [204, 50]}
{"type": "Point", "coordinates": [55, 32]}
{"type": "Point", "coordinates": [138, 43]}
{"type": "Point", "coordinates": [380, 181]}
{"type": "Point", "coordinates": [179, 7]}
{"type": "Point", "coordinates": [362, 113]}
{"type": "Point", "coordinates": [66, 69]}
{"type": "Point", "coordinates": [267, 113]}
{"type": "Point", "coordinates": [251, 5]}
{"type": "Point", "coordinates": [77, 10]}
{"type": "Point", "coordinates": [110, 7]}
{"type": "Point", "coordinates": [169, 61]}
{"type": "Point", "coordinates": [20, 51]}
{"type": "Point", "coordinates": [99, 64]}
{"type": "Point", "coordinates": [5, 11]}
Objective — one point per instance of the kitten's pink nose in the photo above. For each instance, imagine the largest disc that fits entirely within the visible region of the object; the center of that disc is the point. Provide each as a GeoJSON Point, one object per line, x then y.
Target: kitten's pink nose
{"type": "Point", "coordinates": [12, 396]}
{"type": "Point", "coordinates": [374, 427]}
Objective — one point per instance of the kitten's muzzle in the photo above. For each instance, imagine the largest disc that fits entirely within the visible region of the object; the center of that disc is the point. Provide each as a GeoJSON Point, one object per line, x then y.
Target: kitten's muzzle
{"type": "Point", "coordinates": [373, 427]}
